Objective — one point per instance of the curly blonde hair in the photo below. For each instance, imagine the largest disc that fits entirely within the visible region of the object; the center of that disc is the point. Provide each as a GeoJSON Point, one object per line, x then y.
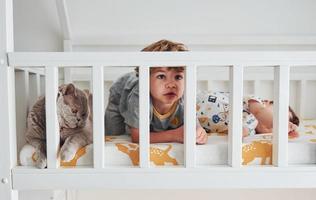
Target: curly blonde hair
{"type": "Point", "coordinates": [165, 45]}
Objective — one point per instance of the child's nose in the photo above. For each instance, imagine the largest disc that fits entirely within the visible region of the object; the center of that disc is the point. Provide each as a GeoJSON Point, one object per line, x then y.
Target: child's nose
{"type": "Point", "coordinates": [171, 84]}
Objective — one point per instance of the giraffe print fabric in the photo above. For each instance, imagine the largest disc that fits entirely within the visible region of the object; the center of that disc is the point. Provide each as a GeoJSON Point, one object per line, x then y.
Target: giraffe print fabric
{"type": "Point", "coordinates": [256, 150]}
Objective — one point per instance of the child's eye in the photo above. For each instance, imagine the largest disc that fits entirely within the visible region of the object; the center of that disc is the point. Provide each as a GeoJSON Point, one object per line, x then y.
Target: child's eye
{"type": "Point", "coordinates": [179, 77]}
{"type": "Point", "coordinates": [161, 76]}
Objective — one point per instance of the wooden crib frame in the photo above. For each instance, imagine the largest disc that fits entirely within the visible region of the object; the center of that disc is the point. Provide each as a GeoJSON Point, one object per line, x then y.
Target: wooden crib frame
{"type": "Point", "coordinates": [233, 175]}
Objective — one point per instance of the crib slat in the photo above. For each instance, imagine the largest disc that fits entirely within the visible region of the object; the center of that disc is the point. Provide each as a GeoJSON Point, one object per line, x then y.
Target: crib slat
{"type": "Point", "coordinates": [33, 88]}
{"type": "Point", "coordinates": [22, 106]}
{"type": "Point", "coordinates": [42, 85]}
{"type": "Point", "coordinates": [52, 126]}
{"type": "Point", "coordinates": [98, 116]}
{"type": "Point", "coordinates": [280, 113]}
{"type": "Point", "coordinates": [68, 75]}
{"type": "Point", "coordinates": [144, 132]}
{"type": "Point", "coordinates": [190, 116]}
{"type": "Point", "coordinates": [235, 116]}
{"type": "Point", "coordinates": [301, 98]}
{"type": "Point", "coordinates": [38, 85]}
{"type": "Point", "coordinates": [256, 87]}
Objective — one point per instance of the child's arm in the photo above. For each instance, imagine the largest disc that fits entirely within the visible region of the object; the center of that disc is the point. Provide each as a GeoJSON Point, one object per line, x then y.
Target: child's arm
{"type": "Point", "coordinates": [175, 135]}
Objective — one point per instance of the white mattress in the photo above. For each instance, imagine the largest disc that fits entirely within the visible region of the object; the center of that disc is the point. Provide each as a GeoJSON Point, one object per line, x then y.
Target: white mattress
{"type": "Point", "coordinates": [119, 151]}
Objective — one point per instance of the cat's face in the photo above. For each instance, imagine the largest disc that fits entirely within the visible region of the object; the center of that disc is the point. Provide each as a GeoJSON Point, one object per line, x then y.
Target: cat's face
{"type": "Point", "coordinates": [72, 107]}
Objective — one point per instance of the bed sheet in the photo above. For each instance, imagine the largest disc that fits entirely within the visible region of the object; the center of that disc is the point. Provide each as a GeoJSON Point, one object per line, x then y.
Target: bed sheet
{"type": "Point", "coordinates": [256, 150]}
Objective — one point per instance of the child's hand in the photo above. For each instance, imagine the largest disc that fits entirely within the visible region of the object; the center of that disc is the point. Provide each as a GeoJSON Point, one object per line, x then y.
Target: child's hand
{"type": "Point", "coordinates": [245, 132]}
{"type": "Point", "coordinates": [201, 135]}
{"type": "Point", "coordinates": [293, 130]}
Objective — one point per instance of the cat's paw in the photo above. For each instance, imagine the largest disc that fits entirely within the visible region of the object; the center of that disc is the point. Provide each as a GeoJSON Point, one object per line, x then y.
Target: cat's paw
{"type": "Point", "coordinates": [67, 154]}
{"type": "Point", "coordinates": [40, 159]}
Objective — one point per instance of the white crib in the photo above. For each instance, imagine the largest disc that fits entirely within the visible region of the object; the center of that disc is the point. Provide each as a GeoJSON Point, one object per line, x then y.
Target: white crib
{"type": "Point", "coordinates": [233, 175]}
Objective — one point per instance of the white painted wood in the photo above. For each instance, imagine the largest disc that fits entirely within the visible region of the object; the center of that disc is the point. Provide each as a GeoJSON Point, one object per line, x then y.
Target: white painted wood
{"type": "Point", "coordinates": [8, 143]}
{"type": "Point", "coordinates": [43, 84]}
{"type": "Point", "coordinates": [64, 19]}
{"type": "Point", "coordinates": [206, 41]}
{"type": "Point", "coordinates": [34, 87]}
{"type": "Point", "coordinates": [67, 47]}
{"type": "Point", "coordinates": [68, 75]}
{"type": "Point", "coordinates": [235, 116]}
{"type": "Point", "coordinates": [302, 92]}
{"type": "Point", "coordinates": [190, 116]}
{"type": "Point", "coordinates": [144, 132]}
{"type": "Point", "coordinates": [71, 194]}
{"type": "Point", "coordinates": [38, 85]}
{"type": "Point", "coordinates": [177, 178]}
{"type": "Point", "coordinates": [8, 146]}
{"type": "Point", "coordinates": [280, 116]}
{"type": "Point", "coordinates": [58, 195]}
{"type": "Point", "coordinates": [22, 105]}
{"type": "Point", "coordinates": [39, 71]}
{"type": "Point", "coordinates": [52, 125]}
{"type": "Point", "coordinates": [204, 74]}
{"type": "Point", "coordinates": [209, 84]}
{"type": "Point", "coordinates": [98, 116]}
{"type": "Point", "coordinates": [23, 90]}
{"type": "Point", "coordinates": [256, 87]}
{"type": "Point", "coordinates": [6, 30]}
{"type": "Point", "coordinates": [71, 59]}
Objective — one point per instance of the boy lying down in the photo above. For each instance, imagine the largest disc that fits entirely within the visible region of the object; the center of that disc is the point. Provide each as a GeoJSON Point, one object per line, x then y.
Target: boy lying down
{"type": "Point", "coordinates": [212, 112]}
{"type": "Point", "coordinates": [166, 102]}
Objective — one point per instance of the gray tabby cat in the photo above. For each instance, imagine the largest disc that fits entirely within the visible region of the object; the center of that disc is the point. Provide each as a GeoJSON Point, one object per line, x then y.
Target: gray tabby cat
{"type": "Point", "coordinates": [74, 111]}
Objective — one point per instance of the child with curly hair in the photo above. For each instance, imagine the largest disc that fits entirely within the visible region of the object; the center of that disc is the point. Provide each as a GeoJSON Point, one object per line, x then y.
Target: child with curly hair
{"type": "Point", "coordinates": [166, 102]}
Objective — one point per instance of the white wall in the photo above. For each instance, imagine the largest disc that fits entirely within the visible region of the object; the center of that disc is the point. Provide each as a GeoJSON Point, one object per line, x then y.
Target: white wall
{"type": "Point", "coordinates": [192, 22]}
{"type": "Point", "coordinates": [36, 26]}
{"type": "Point", "coordinates": [132, 24]}
{"type": "Point", "coordinates": [139, 22]}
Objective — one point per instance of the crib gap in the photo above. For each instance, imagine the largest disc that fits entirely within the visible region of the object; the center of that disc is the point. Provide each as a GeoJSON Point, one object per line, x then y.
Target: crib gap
{"type": "Point", "coordinates": [30, 91]}
{"type": "Point", "coordinates": [166, 86]}
{"type": "Point", "coordinates": [120, 150]}
{"type": "Point", "coordinates": [29, 86]}
{"type": "Point", "coordinates": [212, 91]}
{"type": "Point", "coordinates": [302, 146]}
{"type": "Point", "coordinates": [258, 91]}
{"type": "Point", "coordinates": [80, 78]}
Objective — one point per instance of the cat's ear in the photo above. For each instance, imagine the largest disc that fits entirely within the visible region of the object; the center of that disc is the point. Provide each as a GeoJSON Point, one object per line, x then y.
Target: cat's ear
{"type": "Point", "coordinates": [68, 89]}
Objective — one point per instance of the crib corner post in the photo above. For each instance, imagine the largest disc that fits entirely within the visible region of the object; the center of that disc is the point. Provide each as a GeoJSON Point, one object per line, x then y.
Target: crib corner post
{"type": "Point", "coordinates": [8, 149]}
{"type": "Point", "coordinates": [7, 104]}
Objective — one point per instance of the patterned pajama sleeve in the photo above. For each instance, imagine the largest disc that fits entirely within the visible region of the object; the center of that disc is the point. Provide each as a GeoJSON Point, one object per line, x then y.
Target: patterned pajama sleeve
{"type": "Point", "coordinates": [249, 122]}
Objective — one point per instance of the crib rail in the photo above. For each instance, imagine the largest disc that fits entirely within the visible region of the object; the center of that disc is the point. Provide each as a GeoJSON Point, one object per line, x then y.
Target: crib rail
{"type": "Point", "coordinates": [166, 178]}
{"type": "Point", "coordinates": [236, 61]}
{"type": "Point", "coordinates": [72, 59]}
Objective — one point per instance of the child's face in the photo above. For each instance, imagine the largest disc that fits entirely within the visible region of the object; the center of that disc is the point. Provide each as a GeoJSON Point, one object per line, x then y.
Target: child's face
{"type": "Point", "coordinates": [166, 85]}
{"type": "Point", "coordinates": [269, 105]}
